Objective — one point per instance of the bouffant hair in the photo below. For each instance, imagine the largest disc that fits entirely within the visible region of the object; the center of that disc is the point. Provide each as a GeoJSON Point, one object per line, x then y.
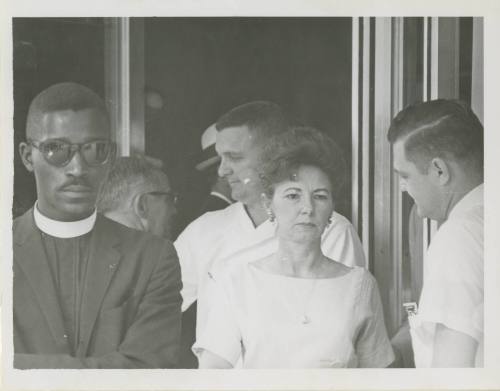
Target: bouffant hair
{"type": "Point", "coordinates": [300, 146]}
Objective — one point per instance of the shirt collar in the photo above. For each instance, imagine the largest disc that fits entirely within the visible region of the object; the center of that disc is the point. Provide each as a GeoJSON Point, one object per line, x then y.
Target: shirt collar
{"type": "Point", "coordinates": [63, 229]}
{"type": "Point", "coordinates": [267, 228]}
{"type": "Point", "coordinates": [473, 197]}
{"type": "Point", "coordinates": [221, 196]}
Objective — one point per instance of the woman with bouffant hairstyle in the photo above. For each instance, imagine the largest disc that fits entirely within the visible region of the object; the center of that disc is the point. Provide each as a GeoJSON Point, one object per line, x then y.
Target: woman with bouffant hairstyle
{"type": "Point", "coordinates": [297, 308]}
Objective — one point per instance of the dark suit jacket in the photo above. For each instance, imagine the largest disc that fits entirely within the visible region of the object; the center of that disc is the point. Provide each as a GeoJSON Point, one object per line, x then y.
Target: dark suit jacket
{"type": "Point", "coordinates": [131, 304]}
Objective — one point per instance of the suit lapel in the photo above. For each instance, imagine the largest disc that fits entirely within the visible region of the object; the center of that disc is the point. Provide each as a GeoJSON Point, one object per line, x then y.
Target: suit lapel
{"type": "Point", "coordinates": [104, 258]}
{"type": "Point", "coordinates": [29, 254]}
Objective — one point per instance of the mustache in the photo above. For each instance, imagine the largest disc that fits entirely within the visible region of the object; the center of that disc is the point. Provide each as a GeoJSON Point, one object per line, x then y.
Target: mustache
{"type": "Point", "coordinates": [75, 182]}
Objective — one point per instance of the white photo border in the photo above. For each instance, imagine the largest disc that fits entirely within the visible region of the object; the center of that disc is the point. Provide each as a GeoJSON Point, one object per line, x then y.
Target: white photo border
{"type": "Point", "coordinates": [486, 378]}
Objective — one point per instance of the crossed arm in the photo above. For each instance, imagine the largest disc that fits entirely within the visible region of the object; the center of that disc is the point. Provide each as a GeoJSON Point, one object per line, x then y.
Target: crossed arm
{"type": "Point", "coordinates": [153, 337]}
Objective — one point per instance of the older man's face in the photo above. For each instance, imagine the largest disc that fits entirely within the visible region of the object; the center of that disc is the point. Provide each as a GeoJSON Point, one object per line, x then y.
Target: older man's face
{"type": "Point", "coordinates": [161, 212]}
{"type": "Point", "coordinates": [67, 193]}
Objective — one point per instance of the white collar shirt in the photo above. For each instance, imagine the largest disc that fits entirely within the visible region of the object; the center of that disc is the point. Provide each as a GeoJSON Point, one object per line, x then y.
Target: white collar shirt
{"type": "Point", "coordinates": [221, 196]}
{"type": "Point", "coordinates": [453, 289]}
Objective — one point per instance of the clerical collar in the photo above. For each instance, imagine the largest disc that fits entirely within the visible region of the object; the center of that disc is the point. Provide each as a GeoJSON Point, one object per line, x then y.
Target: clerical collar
{"type": "Point", "coordinates": [63, 229]}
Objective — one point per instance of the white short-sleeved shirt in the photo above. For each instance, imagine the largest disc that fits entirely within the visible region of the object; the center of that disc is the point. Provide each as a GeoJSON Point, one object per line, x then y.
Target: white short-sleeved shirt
{"type": "Point", "coordinates": [453, 293]}
{"type": "Point", "coordinates": [275, 321]}
{"type": "Point", "coordinates": [229, 236]}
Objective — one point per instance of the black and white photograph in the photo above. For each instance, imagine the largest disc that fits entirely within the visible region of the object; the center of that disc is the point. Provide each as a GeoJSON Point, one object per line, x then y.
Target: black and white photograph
{"type": "Point", "coordinates": [249, 201]}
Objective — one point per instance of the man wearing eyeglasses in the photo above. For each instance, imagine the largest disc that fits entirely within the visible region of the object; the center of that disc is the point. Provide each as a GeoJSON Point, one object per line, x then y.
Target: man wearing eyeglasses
{"type": "Point", "coordinates": [88, 292]}
{"type": "Point", "coordinates": [137, 194]}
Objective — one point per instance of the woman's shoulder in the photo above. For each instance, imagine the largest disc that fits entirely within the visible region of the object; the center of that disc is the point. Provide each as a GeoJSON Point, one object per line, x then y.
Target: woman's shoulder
{"type": "Point", "coordinates": [366, 287]}
{"type": "Point", "coordinates": [364, 278]}
{"type": "Point", "coordinates": [336, 268]}
{"type": "Point", "coordinates": [332, 269]}
{"type": "Point", "coordinates": [357, 277]}
{"type": "Point", "coordinates": [264, 264]}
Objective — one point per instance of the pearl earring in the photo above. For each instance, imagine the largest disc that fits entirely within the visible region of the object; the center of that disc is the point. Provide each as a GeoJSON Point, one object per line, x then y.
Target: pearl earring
{"type": "Point", "coordinates": [271, 215]}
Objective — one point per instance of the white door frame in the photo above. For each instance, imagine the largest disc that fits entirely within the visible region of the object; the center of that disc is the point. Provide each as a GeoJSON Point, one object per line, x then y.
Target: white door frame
{"type": "Point", "coordinates": [124, 82]}
{"type": "Point", "coordinates": [377, 96]}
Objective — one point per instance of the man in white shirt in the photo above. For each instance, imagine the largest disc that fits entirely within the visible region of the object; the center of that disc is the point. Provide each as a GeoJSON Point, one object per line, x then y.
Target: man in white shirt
{"type": "Point", "coordinates": [242, 232]}
{"type": "Point", "coordinates": [438, 154]}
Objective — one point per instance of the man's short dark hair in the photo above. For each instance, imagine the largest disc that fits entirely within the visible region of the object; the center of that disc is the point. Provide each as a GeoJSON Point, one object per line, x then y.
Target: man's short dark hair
{"type": "Point", "coordinates": [443, 128]}
{"type": "Point", "coordinates": [263, 118]}
{"type": "Point", "coordinates": [59, 97]}
{"type": "Point", "coordinates": [300, 146]}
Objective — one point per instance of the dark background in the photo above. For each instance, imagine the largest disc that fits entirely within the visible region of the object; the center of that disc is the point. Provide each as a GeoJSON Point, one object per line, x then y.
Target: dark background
{"type": "Point", "coordinates": [205, 66]}
{"type": "Point", "coordinates": [202, 67]}
{"type": "Point", "coordinates": [49, 51]}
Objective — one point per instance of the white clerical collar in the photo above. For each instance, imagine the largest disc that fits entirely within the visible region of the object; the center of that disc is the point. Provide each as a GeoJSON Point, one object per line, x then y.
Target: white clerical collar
{"type": "Point", "coordinates": [63, 229]}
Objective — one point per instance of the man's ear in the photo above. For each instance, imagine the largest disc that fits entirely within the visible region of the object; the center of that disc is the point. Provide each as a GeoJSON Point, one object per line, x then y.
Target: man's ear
{"type": "Point", "coordinates": [25, 151]}
{"type": "Point", "coordinates": [140, 206]}
{"type": "Point", "coordinates": [440, 170]}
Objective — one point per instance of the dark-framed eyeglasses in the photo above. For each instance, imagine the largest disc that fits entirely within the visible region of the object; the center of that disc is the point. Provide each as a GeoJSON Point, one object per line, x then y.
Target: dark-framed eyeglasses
{"type": "Point", "coordinates": [172, 197]}
{"type": "Point", "coordinates": [59, 152]}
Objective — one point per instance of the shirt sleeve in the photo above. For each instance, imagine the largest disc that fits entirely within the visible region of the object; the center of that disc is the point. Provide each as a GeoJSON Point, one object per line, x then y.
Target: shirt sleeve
{"type": "Point", "coordinates": [189, 270]}
{"type": "Point", "coordinates": [222, 335]}
{"type": "Point", "coordinates": [453, 287]}
{"type": "Point", "coordinates": [341, 243]}
{"type": "Point", "coordinates": [372, 346]}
